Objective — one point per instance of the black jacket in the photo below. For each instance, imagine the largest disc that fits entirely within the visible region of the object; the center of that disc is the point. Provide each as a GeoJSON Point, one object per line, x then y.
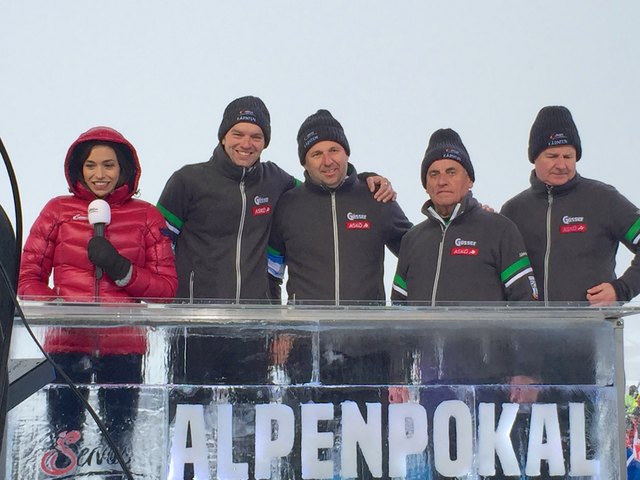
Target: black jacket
{"type": "Point", "coordinates": [220, 215]}
{"type": "Point", "coordinates": [477, 256]}
{"type": "Point", "coordinates": [332, 241]}
{"type": "Point", "coordinates": [572, 234]}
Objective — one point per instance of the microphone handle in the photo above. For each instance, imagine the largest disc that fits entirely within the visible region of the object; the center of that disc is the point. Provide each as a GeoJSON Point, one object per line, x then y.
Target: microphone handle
{"type": "Point", "coordinates": [98, 231]}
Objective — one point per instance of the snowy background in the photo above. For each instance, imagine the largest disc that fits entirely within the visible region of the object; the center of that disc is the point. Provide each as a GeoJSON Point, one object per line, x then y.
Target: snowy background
{"type": "Point", "coordinates": [392, 72]}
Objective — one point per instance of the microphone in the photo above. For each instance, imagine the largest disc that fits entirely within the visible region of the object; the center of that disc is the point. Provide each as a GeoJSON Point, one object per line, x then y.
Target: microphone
{"type": "Point", "coordinates": [99, 214]}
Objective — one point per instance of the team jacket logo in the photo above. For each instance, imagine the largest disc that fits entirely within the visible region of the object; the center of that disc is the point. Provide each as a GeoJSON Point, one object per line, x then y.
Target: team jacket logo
{"type": "Point", "coordinates": [464, 247]}
{"type": "Point", "coordinates": [468, 251]}
{"type": "Point", "coordinates": [357, 221]}
{"type": "Point", "coordinates": [261, 207]}
{"type": "Point", "coordinates": [573, 225]}
{"type": "Point", "coordinates": [79, 216]}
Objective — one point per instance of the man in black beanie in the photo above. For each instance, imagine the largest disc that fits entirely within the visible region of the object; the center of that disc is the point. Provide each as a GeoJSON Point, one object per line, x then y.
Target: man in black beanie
{"type": "Point", "coordinates": [206, 205]}
{"type": "Point", "coordinates": [572, 225]}
{"type": "Point", "coordinates": [460, 255]}
{"type": "Point", "coordinates": [461, 252]}
{"type": "Point", "coordinates": [331, 233]}
{"type": "Point", "coordinates": [219, 214]}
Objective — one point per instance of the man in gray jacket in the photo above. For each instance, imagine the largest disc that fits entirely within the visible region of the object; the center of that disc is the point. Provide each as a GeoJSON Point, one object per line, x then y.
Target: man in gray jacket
{"type": "Point", "coordinates": [330, 232]}
{"type": "Point", "coordinates": [331, 235]}
{"type": "Point", "coordinates": [572, 225]}
{"type": "Point", "coordinates": [461, 252]}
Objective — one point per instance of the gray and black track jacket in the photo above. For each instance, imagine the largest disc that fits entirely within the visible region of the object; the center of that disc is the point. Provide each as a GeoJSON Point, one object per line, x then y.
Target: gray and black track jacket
{"type": "Point", "coordinates": [220, 215]}
{"type": "Point", "coordinates": [475, 256]}
{"type": "Point", "coordinates": [333, 240]}
{"type": "Point", "coordinates": [572, 232]}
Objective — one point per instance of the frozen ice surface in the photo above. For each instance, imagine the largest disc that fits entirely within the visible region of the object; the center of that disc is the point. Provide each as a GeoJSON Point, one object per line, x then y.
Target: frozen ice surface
{"type": "Point", "coordinates": [366, 381]}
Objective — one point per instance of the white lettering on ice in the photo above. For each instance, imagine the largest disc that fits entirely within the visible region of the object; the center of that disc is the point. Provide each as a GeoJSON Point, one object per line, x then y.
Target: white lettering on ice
{"type": "Point", "coordinates": [408, 434]}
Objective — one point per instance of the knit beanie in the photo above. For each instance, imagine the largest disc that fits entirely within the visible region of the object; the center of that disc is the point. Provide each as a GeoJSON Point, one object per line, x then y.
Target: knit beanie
{"type": "Point", "coordinates": [553, 127]}
{"type": "Point", "coordinates": [319, 127]}
{"type": "Point", "coordinates": [446, 144]}
{"type": "Point", "coordinates": [246, 109]}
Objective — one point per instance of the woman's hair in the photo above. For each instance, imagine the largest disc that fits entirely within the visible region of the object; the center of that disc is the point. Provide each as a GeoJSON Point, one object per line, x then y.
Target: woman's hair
{"type": "Point", "coordinates": [123, 155]}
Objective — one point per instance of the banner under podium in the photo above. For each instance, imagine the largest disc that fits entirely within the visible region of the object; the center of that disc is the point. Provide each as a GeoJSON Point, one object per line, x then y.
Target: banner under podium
{"type": "Point", "coordinates": [271, 392]}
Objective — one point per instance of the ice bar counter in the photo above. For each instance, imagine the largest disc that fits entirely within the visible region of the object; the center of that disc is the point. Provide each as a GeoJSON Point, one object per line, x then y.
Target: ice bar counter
{"type": "Point", "coordinates": [312, 392]}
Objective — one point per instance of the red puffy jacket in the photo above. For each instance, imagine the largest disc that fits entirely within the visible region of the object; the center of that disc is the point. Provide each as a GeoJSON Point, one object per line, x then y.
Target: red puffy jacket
{"type": "Point", "coordinates": [58, 242]}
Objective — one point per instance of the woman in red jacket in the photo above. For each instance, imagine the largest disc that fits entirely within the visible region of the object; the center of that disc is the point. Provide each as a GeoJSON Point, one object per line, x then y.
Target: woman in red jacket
{"type": "Point", "coordinates": [137, 261]}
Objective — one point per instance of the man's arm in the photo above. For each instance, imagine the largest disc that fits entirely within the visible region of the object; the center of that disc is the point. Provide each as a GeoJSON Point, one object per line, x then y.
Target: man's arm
{"type": "Point", "coordinates": [276, 263]}
{"type": "Point", "coordinates": [625, 218]}
{"type": "Point", "coordinates": [399, 225]}
{"type": "Point", "coordinates": [276, 269]}
{"type": "Point", "coordinates": [399, 291]}
{"type": "Point", "coordinates": [173, 203]}
{"type": "Point", "coordinates": [516, 273]}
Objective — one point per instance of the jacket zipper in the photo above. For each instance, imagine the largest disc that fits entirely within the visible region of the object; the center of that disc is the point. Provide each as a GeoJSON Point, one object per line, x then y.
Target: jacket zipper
{"type": "Point", "coordinates": [336, 254]}
{"type": "Point", "coordinates": [443, 226]}
{"type": "Point", "coordinates": [547, 252]}
{"type": "Point", "coordinates": [438, 265]}
{"type": "Point", "coordinates": [239, 239]}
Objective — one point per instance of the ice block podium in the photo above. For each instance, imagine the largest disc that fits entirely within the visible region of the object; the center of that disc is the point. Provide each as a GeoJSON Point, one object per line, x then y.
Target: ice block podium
{"type": "Point", "coordinates": [313, 392]}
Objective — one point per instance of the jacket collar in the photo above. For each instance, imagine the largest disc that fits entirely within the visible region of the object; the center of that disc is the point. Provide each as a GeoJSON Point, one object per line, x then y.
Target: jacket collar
{"type": "Point", "coordinates": [118, 196]}
{"type": "Point", "coordinates": [467, 204]}
{"type": "Point", "coordinates": [542, 189]}
{"type": "Point", "coordinates": [348, 182]}
{"type": "Point", "coordinates": [223, 164]}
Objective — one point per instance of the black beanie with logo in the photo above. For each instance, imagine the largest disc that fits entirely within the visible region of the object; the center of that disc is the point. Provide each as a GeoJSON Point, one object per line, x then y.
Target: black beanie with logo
{"type": "Point", "coordinates": [246, 109]}
{"type": "Point", "coordinates": [553, 127]}
{"type": "Point", "coordinates": [446, 144]}
{"type": "Point", "coordinates": [319, 127]}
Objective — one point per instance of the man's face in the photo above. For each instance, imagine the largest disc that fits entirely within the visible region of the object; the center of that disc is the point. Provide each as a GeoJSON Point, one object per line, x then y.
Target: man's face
{"type": "Point", "coordinates": [447, 184]}
{"type": "Point", "coordinates": [556, 165]}
{"type": "Point", "coordinates": [326, 162]}
{"type": "Point", "coordinates": [244, 143]}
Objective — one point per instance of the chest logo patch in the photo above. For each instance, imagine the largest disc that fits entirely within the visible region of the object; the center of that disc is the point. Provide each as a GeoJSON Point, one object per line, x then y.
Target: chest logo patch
{"type": "Point", "coordinates": [467, 251]}
{"type": "Point", "coordinates": [573, 225]}
{"type": "Point", "coordinates": [261, 207]}
{"type": "Point", "coordinates": [358, 225]}
{"type": "Point", "coordinates": [357, 221]}
{"type": "Point", "coordinates": [575, 228]}
{"type": "Point", "coordinates": [259, 210]}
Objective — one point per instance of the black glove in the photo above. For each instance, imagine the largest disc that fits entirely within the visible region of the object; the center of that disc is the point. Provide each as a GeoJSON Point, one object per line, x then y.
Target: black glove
{"type": "Point", "coordinates": [104, 255]}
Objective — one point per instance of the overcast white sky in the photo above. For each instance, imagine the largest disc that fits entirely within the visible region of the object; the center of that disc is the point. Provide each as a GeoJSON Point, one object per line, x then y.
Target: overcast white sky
{"type": "Point", "coordinates": [392, 72]}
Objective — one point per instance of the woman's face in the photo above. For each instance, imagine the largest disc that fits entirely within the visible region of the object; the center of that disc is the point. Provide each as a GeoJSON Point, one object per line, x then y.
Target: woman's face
{"type": "Point", "coordinates": [101, 170]}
